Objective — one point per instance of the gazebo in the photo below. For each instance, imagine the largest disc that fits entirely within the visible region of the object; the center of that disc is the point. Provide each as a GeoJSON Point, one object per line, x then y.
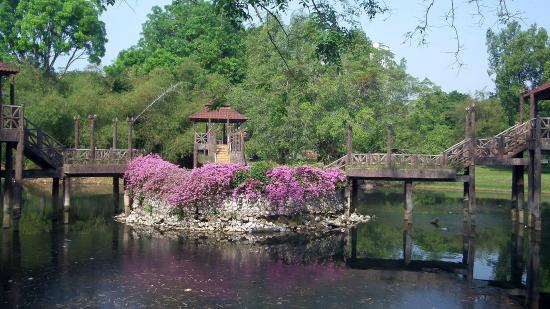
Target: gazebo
{"type": "Point", "coordinates": [222, 140]}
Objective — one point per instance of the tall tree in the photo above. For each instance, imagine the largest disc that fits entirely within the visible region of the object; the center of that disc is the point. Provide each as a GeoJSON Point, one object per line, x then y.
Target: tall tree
{"type": "Point", "coordinates": [186, 29]}
{"type": "Point", "coordinates": [41, 32]}
{"type": "Point", "coordinates": [517, 60]}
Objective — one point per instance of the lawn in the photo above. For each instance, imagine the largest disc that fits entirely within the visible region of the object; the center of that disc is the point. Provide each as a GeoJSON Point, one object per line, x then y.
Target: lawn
{"type": "Point", "coordinates": [489, 179]}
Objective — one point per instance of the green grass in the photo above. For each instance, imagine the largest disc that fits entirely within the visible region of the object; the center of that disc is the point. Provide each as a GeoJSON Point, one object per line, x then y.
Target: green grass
{"type": "Point", "coordinates": [488, 179]}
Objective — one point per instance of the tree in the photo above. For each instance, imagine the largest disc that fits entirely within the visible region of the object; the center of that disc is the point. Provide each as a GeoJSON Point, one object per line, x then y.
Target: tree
{"type": "Point", "coordinates": [336, 17]}
{"type": "Point", "coordinates": [517, 60]}
{"type": "Point", "coordinates": [41, 31]}
{"type": "Point", "coordinates": [186, 29]}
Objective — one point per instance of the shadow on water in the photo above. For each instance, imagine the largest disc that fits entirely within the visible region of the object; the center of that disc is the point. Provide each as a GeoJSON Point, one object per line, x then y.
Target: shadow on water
{"type": "Point", "coordinates": [96, 262]}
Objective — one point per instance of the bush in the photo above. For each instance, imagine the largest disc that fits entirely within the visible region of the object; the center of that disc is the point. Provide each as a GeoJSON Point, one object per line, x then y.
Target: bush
{"type": "Point", "coordinates": [203, 190]}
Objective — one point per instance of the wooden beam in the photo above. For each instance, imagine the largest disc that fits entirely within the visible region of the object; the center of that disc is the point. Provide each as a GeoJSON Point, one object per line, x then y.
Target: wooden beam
{"type": "Point", "coordinates": [521, 108]}
{"type": "Point", "coordinates": [55, 196]}
{"type": "Point", "coordinates": [407, 242]}
{"type": "Point", "coordinates": [115, 132]}
{"type": "Point", "coordinates": [12, 90]}
{"type": "Point", "coordinates": [349, 147]}
{"type": "Point", "coordinates": [537, 181]}
{"type": "Point", "coordinates": [130, 121]}
{"type": "Point", "coordinates": [19, 168]}
{"type": "Point", "coordinates": [8, 185]}
{"type": "Point", "coordinates": [389, 145]}
{"type": "Point", "coordinates": [408, 205]}
{"type": "Point", "coordinates": [76, 131]}
{"type": "Point", "coordinates": [92, 119]}
{"type": "Point", "coordinates": [66, 198]}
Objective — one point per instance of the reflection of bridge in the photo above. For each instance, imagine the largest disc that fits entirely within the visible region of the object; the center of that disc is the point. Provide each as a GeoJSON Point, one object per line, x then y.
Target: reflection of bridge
{"type": "Point", "coordinates": [51, 158]}
{"type": "Point", "coordinates": [528, 292]}
{"type": "Point", "coordinates": [457, 163]}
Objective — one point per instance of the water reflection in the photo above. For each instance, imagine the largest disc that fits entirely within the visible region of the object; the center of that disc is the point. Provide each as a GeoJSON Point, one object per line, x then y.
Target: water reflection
{"type": "Point", "coordinates": [96, 262]}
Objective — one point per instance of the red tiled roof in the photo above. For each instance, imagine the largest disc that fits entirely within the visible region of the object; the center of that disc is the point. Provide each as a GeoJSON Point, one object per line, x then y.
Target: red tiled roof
{"type": "Point", "coordinates": [6, 70]}
{"type": "Point", "coordinates": [221, 114]}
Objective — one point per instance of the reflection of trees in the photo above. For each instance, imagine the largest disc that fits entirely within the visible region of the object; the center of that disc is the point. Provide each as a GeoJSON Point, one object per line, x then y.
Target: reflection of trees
{"type": "Point", "coordinates": [379, 240]}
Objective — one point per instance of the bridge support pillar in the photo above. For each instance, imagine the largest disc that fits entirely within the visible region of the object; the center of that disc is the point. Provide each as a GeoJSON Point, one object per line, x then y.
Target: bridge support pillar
{"type": "Point", "coordinates": [128, 199]}
{"type": "Point", "coordinates": [8, 188]}
{"type": "Point", "coordinates": [350, 193]}
{"type": "Point", "coordinates": [517, 192]}
{"type": "Point", "coordinates": [472, 206]}
{"type": "Point", "coordinates": [534, 178]}
{"type": "Point", "coordinates": [66, 198]}
{"type": "Point", "coordinates": [19, 168]}
{"type": "Point", "coordinates": [408, 201]}
{"type": "Point", "coordinates": [116, 189]}
{"type": "Point", "coordinates": [55, 196]}
{"type": "Point", "coordinates": [407, 243]}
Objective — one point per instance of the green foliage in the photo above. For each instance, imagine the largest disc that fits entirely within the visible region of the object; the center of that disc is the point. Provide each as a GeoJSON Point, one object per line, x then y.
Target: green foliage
{"type": "Point", "coordinates": [299, 96]}
{"type": "Point", "coordinates": [519, 60]}
{"type": "Point", "coordinates": [185, 29]}
{"type": "Point", "coordinates": [40, 32]}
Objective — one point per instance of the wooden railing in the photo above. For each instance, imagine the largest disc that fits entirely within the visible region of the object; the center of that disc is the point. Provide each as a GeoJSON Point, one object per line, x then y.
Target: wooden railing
{"type": "Point", "coordinates": [383, 160]}
{"type": "Point", "coordinates": [11, 116]}
{"type": "Point", "coordinates": [503, 145]}
{"type": "Point", "coordinates": [102, 156]}
{"type": "Point", "coordinates": [43, 144]}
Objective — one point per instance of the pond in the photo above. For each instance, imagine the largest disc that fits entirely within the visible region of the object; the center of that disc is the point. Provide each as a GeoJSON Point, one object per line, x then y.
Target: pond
{"type": "Point", "coordinates": [95, 262]}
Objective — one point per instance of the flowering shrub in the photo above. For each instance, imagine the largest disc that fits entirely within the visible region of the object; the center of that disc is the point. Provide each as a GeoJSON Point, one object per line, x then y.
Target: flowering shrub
{"type": "Point", "coordinates": [288, 190]}
{"type": "Point", "coordinates": [151, 176]}
{"type": "Point", "coordinates": [207, 186]}
{"type": "Point", "coordinates": [292, 188]}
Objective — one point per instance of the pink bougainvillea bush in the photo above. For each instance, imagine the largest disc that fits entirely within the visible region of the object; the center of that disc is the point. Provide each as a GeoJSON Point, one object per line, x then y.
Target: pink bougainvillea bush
{"type": "Point", "coordinates": [280, 190]}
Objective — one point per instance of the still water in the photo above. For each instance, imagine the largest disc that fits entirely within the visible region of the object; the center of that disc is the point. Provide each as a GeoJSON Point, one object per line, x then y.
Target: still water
{"type": "Point", "coordinates": [95, 262]}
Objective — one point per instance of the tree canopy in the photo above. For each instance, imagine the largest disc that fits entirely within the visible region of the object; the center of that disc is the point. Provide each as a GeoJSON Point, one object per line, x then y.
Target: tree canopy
{"type": "Point", "coordinates": [519, 60]}
{"type": "Point", "coordinates": [41, 32]}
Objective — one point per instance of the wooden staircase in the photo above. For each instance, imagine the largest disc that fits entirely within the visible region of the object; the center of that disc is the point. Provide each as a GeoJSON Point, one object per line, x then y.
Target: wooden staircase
{"type": "Point", "coordinates": [222, 154]}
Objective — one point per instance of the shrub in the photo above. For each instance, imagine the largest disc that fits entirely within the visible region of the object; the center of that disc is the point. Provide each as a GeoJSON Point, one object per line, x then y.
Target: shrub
{"type": "Point", "coordinates": [203, 190]}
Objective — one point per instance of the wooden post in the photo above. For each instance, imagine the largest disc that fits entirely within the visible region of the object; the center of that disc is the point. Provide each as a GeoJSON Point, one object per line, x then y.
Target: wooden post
{"type": "Point", "coordinates": [19, 168]}
{"type": "Point", "coordinates": [227, 133]}
{"type": "Point", "coordinates": [407, 243]}
{"type": "Point", "coordinates": [531, 160]}
{"type": "Point", "coordinates": [92, 136]}
{"type": "Point", "coordinates": [517, 192]}
{"type": "Point", "coordinates": [66, 198]}
{"type": "Point", "coordinates": [115, 132]}
{"type": "Point", "coordinates": [516, 259]}
{"type": "Point", "coordinates": [55, 196]}
{"type": "Point", "coordinates": [76, 131]}
{"type": "Point", "coordinates": [533, 270]}
{"type": "Point", "coordinates": [389, 145]}
{"type": "Point", "coordinates": [116, 189]}
{"type": "Point", "coordinates": [243, 153]}
{"type": "Point", "coordinates": [408, 201]}
{"type": "Point", "coordinates": [521, 104]}
{"type": "Point", "coordinates": [8, 185]}
{"type": "Point", "coordinates": [349, 183]}
{"type": "Point", "coordinates": [469, 250]}
{"type": "Point", "coordinates": [130, 121]}
{"type": "Point", "coordinates": [466, 195]}
{"type": "Point", "coordinates": [537, 182]}
{"type": "Point", "coordinates": [472, 207]}
{"type": "Point", "coordinates": [12, 90]}
{"type": "Point", "coordinates": [500, 144]}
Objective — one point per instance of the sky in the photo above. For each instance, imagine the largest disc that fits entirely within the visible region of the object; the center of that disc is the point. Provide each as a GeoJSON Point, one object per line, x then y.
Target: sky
{"type": "Point", "coordinates": [434, 60]}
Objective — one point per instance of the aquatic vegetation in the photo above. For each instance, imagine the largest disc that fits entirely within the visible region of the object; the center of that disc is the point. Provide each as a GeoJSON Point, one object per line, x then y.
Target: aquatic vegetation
{"type": "Point", "coordinates": [286, 190]}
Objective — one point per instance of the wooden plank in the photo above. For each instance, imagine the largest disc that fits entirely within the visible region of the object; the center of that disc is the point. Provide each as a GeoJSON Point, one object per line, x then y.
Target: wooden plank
{"type": "Point", "coordinates": [9, 135]}
{"type": "Point", "coordinates": [94, 170]}
{"type": "Point", "coordinates": [396, 174]}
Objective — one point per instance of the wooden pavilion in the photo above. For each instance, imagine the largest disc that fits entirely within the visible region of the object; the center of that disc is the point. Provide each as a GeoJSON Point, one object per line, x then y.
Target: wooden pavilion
{"type": "Point", "coordinates": [222, 140]}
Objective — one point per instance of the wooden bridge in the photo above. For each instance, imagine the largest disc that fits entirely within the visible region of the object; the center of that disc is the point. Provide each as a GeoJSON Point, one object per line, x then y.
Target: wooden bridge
{"type": "Point", "coordinates": [457, 163]}
{"type": "Point", "coordinates": [51, 158]}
